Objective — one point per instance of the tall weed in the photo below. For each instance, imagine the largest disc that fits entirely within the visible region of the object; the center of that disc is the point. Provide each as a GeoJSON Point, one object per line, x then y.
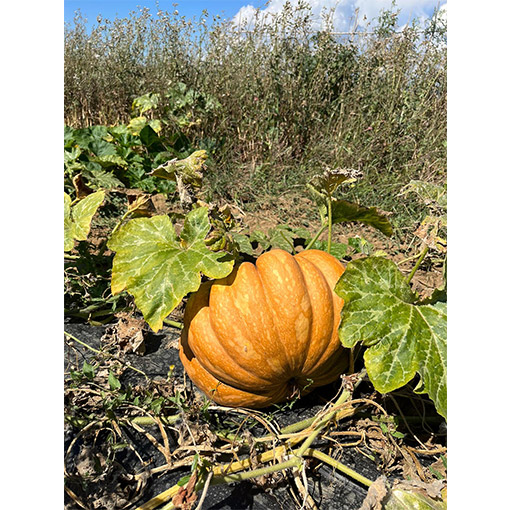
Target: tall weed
{"type": "Point", "coordinates": [274, 103]}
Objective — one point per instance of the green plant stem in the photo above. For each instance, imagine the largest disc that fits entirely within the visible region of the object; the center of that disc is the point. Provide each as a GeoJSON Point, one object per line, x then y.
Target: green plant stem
{"type": "Point", "coordinates": [294, 462]}
{"type": "Point", "coordinates": [344, 396]}
{"type": "Point", "coordinates": [143, 421]}
{"type": "Point", "coordinates": [317, 235]}
{"type": "Point", "coordinates": [403, 261]}
{"type": "Point", "coordinates": [174, 324]}
{"type": "Point", "coordinates": [119, 223]}
{"type": "Point", "coordinates": [82, 343]}
{"type": "Point", "coordinates": [312, 452]}
{"type": "Point", "coordinates": [417, 265]}
{"type": "Point", "coordinates": [106, 355]}
{"type": "Point", "coordinates": [330, 224]}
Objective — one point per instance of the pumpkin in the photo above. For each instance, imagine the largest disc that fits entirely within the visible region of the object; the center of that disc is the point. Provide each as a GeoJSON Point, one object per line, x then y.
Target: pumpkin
{"type": "Point", "coordinates": [266, 332]}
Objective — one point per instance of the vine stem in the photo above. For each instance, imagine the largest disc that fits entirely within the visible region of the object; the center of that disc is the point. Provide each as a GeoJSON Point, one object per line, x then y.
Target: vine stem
{"type": "Point", "coordinates": [417, 265]}
{"type": "Point", "coordinates": [144, 421]}
{"type": "Point", "coordinates": [81, 343]}
{"type": "Point", "coordinates": [317, 235]}
{"type": "Point", "coordinates": [127, 364]}
{"type": "Point", "coordinates": [218, 478]}
{"type": "Point", "coordinates": [330, 224]}
{"type": "Point", "coordinates": [174, 324]}
{"type": "Point", "coordinates": [295, 460]}
{"type": "Point", "coordinates": [339, 466]}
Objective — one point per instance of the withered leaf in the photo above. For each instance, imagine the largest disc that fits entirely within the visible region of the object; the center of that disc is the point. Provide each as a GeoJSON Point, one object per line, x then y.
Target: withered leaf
{"type": "Point", "coordinates": [375, 495]}
{"type": "Point", "coordinates": [186, 496]}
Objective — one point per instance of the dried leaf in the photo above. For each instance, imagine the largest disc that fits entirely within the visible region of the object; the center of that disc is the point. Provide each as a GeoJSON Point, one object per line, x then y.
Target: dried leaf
{"type": "Point", "coordinates": [375, 495]}
{"type": "Point", "coordinates": [327, 182]}
{"type": "Point", "coordinates": [432, 489]}
{"type": "Point", "coordinates": [82, 190]}
{"type": "Point", "coordinates": [186, 496]}
{"type": "Point", "coordinates": [428, 232]}
{"type": "Point", "coordinates": [127, 334]}
{"type": "Point", "coordinates": [140, 205]}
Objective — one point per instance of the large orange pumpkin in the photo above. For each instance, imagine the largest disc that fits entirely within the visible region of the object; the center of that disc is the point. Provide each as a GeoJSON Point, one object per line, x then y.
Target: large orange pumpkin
{"type": "Point", "coordinates": [267, 331]}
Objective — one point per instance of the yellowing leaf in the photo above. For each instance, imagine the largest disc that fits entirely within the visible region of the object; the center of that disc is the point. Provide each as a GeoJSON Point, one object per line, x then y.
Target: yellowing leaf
{"type": "Point", "coordinates": [158, 267]}
{"type": "Point", "coordinates": [190, 169]}
{"type": "Point", "coordinates": [83, 212]}
{"type": "Point", "coordinates": [68, 224]}
{"type": "Point", "coordinates": [137, 124]}
{"type": "Point", "coordinates": [77, 219]}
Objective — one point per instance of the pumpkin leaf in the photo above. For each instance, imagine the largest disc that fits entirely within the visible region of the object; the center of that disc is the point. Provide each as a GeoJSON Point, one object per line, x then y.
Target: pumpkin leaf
{"type": "Point", "coordinates": [83, 212]}
{"type": "Point", "coordinates": [110, 160]}
{"type": "Point", "coordinates": [243, 243]}
{"type": "Point", "coordinates": [189, 169]}
{"type": "Point", "coordinates": [158, 267]}
{"type": "Point", "coordinates": [343, 211]}
{"type": "Point", "coordinates": [145, 103]}
{"type": "Point", "coordinates": [283, 237]}
{"type": "Point", "coordinates": [411, 497]}
{"type": "Point", "coordinates": [325, 184]}
{"type": "Point", "coordinates": [68, 224]}
{"type": "Point", "coordinates": [77, 218]}
{"type": "Point", "coordinates": [403, 337]}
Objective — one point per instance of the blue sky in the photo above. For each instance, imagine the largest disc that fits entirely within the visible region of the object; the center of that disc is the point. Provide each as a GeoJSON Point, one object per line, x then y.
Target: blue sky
{"type": "Point", "coordinates": [189, 8]}
{"type": "Point", "coordinates": [243, 10]}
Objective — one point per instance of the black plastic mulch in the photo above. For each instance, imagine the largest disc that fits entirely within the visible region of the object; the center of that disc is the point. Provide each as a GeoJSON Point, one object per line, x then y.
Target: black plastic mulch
{"type": "Point", "coordinates": [329, 489]}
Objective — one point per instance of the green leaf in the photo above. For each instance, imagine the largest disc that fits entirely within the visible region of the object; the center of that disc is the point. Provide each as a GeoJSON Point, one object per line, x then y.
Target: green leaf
{"type": "Point", "coordinates": [344, 211]}
{"type": "Point", "coordinates": [77, 219]}
{"type": "Point", "coordinates": [283, 236]}
{"type": "Point", "coordinates": [150, 139]}
{"type": "Point", "coordinates": [158, 268]}
{"type": "Point", "coordinates": [261, 238]}
{"type": "Point", "coordinates": [113, 381]}
{"type": "Point", "coordinates": [101, 148]}
{"type": "Point", "coordinates": [403, 338]}
{"type": "Point", "coordinates": [361, 245]}
{"type": "Point", "coordinates": [243, 242]}
{"type": "Point", "coordinates": [338, 250]}
{"type": "Point", "coordinates": [183, 481]}
{"type": "Point", "coordinates": [110, 160]}
{"type": "Point", "coordinates": [99, 178]}
{"type": "Point", "coordinates": [88, 370]}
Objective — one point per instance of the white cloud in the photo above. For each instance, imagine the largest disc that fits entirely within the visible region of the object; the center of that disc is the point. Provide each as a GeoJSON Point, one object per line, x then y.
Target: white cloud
{"type": "Point", "coordinates": [343, 11]}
